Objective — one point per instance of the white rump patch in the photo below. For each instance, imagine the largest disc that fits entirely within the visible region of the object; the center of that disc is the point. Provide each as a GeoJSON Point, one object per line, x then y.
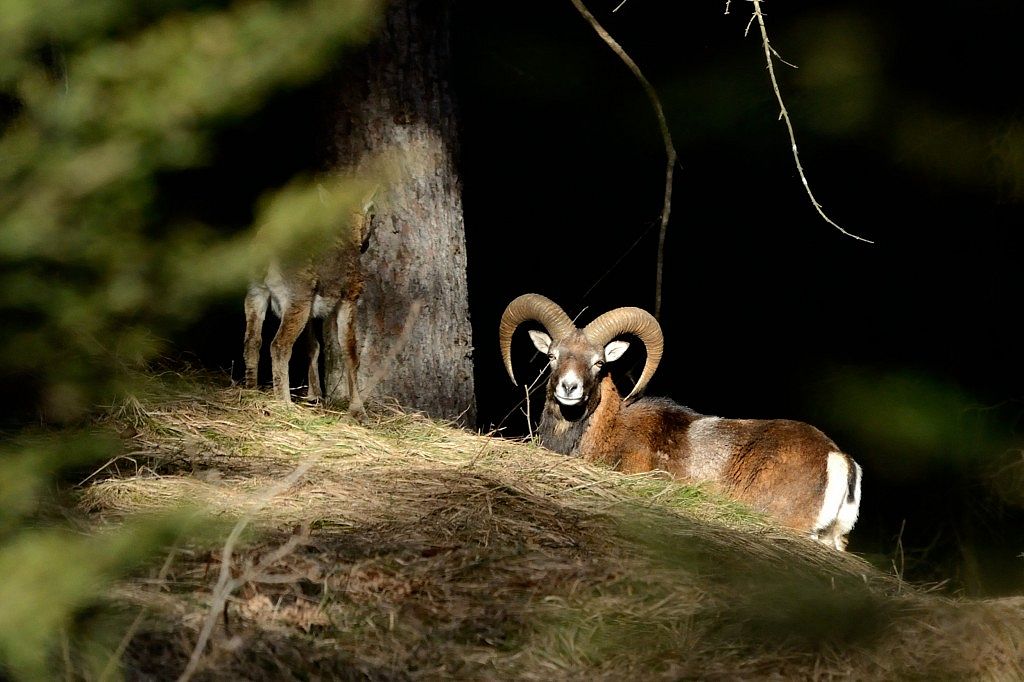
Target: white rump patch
{"type": "Point", "coordinates": [836, 509]}
{"type": "Point", "coordinates": [280, 293]}
{"type": "Point", "coordinates": [849, 511]}
{"type": "Point", "coordinates": [322, 307]}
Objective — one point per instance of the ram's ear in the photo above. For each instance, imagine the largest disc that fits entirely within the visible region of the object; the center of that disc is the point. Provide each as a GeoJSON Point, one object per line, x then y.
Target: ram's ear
{"type": "Point", "coordinates": [614, 350]}
{"type": "Point", "coordinates": [541, 341]}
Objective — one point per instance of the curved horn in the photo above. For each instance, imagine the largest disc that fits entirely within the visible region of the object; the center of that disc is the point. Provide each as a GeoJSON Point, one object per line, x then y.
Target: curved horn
{"type": "Point", "coordinates": [630, 321]}
{"type": "Point", "coordinates": [531, 307]}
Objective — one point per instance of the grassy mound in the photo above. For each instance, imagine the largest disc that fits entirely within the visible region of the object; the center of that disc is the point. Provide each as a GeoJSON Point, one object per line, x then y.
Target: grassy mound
{"type": "Point", "coordinates": [408, 549]}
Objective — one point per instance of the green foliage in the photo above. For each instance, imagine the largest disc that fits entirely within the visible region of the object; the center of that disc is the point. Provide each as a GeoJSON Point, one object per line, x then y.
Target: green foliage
{"type": "Point", "coordinates": [919, 421]}
{"type": "Point", "coordinates": [29, 463]}
{"type": "Point", "coordinates": [961, 456]}
{"type": "Point", "coordinates": [49, 572]}
{"type": "Point", "coordinates": [89, 264]}
{"type": "Point", "coordinates": [99, 102]}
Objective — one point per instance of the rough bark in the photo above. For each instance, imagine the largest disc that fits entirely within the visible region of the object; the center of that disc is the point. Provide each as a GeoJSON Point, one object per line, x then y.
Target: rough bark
{"type": "Point", "coordinates": [396, 99]}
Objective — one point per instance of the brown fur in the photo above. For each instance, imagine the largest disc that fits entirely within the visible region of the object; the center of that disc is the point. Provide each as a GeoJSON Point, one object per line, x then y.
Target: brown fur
{"type": "Point", "coordinates": [335, 280]}
{"type": "Point", "coordinates": [778, 467]}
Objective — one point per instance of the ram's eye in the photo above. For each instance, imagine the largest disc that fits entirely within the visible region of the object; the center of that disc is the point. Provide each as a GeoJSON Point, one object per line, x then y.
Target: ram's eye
{"type": "Point", "coordinates": [599, 364]}
{"type": "Point", "coordinates": [551, 356]}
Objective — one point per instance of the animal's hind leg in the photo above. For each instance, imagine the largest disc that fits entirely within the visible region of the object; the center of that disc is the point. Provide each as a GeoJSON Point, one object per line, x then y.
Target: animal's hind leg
{"type": "Point", "coordinates": [256, 300]}
{"type": "Point", "coordinates": [350, 353]}
{"type": "Point", "coordinates": [314, 392]}
{"type": "Point", "coordinates": [830, 536]}
{"type": "Point", "coordinates": [293, 319]}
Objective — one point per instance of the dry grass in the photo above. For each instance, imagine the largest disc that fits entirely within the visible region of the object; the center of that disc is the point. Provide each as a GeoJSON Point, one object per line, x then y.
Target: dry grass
{"type": "Point", "coordinates": [423, 551]}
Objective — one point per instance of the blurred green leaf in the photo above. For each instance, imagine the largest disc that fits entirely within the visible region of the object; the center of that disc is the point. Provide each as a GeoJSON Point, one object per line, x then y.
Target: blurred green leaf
{"type": "Point", "coordinates": [103, 101]}
{"type": "Point", "coordinates": [915, 420]}
{"type": "Point", "coordinates": [72, 571]}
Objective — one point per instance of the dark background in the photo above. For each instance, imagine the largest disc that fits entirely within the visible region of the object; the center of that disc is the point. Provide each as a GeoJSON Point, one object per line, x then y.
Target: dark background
{"type": "Point", "coordinates": [904, 351]}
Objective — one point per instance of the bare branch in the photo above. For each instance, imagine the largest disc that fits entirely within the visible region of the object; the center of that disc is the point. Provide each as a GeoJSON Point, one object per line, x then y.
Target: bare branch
{"type": "Point", "coordinates": [670, 150]}
{"type": "Point", "coordinates": [784, 115]}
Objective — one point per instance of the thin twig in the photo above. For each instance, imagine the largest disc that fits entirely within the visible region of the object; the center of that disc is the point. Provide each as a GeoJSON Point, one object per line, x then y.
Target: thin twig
{"type": "Point", "coordinates": [529, 422]}
{"type": "Point", "coordinates": [530, 389]}
{"type": "Point", "coordinates": [112, 460]}
{"type": "Point", "coordinates": [225, 585]}
{"type": "Point", "coordinates": [622, 257]}
{"type": "Point", "coordinates": [898, 570]}
{"type": "Point", "coordinates": [666, 136]}
{"type": "Point", "coordinates": [257, 571]}
{"type": "Point", "coordinates": [784, 115]}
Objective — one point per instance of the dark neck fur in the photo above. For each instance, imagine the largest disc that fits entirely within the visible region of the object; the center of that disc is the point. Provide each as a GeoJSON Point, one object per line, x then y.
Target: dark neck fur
{"type": "Point", "coordinates": [561, 428]}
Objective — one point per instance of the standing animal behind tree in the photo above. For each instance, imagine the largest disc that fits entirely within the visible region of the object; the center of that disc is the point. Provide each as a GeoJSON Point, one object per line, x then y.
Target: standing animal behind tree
{"type": "Point", "coordinates": [326, 286]}
{"type": "Point", "coordinates": [786, 469]}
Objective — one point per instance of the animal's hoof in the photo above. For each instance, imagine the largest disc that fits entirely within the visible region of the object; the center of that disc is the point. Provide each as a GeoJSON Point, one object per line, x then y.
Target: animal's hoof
{"type": "Point", "coordinates": [357, 412]}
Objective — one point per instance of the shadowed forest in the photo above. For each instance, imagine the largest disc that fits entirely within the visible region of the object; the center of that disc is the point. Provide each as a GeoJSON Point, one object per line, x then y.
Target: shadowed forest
{"type": "Point", "coordinates": [902, 350]}
{"type": "Point", "coordinates": [132, 175]}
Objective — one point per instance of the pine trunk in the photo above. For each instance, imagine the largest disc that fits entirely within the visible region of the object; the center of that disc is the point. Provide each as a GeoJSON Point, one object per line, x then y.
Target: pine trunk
{"type": "Point", "coordinates": [413, 330]}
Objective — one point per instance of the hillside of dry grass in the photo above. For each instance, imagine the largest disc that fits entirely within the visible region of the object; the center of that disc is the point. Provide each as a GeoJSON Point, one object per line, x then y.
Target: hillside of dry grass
{"type": "Point", "coordinates": [407, 549]}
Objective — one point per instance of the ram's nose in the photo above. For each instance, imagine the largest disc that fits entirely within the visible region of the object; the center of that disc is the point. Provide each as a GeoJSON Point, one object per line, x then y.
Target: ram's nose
{"type": "Point", "coordinates": [569, 390]}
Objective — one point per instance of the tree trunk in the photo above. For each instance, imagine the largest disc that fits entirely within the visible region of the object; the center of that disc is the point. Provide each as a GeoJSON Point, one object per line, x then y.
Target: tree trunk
{"type": "Point", "coordinates": [413, 331]}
